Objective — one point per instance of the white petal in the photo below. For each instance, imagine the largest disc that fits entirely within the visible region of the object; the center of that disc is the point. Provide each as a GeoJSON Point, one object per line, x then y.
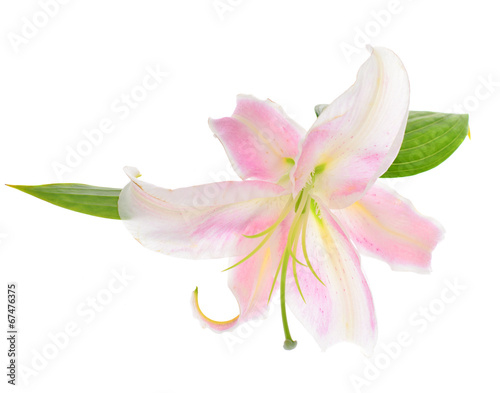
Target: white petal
{"type": "Point", "coordinates": [358, 136]}
{"type": "Point", "coordinates": [206, 221]}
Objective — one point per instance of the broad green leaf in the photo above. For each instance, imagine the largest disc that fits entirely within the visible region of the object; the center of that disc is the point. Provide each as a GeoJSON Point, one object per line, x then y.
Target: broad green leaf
{"type": "Point", "coordinates": [82, 198]}
{"type": "Point", "coordinates": [430, 138]}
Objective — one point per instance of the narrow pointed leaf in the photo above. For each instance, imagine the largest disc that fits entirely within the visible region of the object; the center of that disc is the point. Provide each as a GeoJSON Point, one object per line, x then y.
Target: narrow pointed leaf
{"type": "Point", "coordinates": [82, 198]}
{"type": "Point", "coordinates": [430, 138]}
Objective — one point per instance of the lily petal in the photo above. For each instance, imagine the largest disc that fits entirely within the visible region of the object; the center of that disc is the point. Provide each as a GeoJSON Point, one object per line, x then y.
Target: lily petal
{"type": "Point", "coordinates": [251, 283]}
{"type": "Point", "coordinates": [387, 226]}
{"type": "Point", "coordinates": [342, 308]}
{"type": "Point", "coordinates": [206, 221]}
{"type": "Point", "coordinates": [260, 140]}
{"type": "Point", "coordinates": [358, 136]}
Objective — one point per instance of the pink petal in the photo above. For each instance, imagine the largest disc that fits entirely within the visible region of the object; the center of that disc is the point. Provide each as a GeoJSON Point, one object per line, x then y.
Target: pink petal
{"type": "Point", "coordinates": [206, 221]}
{"type": "Point", "coordinates": [342, 309]}
{"type": "Point", "coordinates": [356, 138]}
{"type": "Point", "coordinates": [385, 225]}
{"type": "Point", "coordinates": [251, 283]}
{"type": "Point", "coordinates": [259, 138]}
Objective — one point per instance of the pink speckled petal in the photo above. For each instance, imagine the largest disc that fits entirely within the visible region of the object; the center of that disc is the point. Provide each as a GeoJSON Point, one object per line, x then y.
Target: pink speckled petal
{"type": "Point", "coordinates": [358, 136]}
{"type": "Point", "coordinates": [342, 309]}
{"type": "Point", "coordinates": [258, 139]}
{"type": "Point", "coordinates": [385, 225]}
{"type": "Point", "coordinates": [206, 221]}
{"type": "Point", "coordinates": [251, 283]}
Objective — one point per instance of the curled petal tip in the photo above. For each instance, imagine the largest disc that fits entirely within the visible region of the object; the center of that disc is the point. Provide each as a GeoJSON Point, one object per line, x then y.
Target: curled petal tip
{"type": "Point", "coordinates": [132, 172]}
{"type": "Point", "coordinates": [217, 326]}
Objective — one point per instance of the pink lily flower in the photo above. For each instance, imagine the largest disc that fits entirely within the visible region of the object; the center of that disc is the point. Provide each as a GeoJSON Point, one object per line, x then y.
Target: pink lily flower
{"type": "Point", "coordinates": [308, 200]}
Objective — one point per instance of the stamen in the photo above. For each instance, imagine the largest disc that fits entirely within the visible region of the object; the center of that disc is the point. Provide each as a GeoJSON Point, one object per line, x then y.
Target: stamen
{"type": "Point", "coordinates": [252, 253]}
{"type": "Point", "coordinates": [297, 230]}
{"type": "Point", "coordinates": [281, 262]}
{"type": "Point", "coordinates": [289, 342]}
{"type": "Point", "coordinates": [292, 253]}
{"type": "Point", "coordinates": [304, 249]}
{"type": "Point", "coordinates": [296, 260]}
{"type": "Point", "coordinates": [281, 217]}
{"type": "Point", "coordinates": [268, 232]}
{"type": "Point", "coordinates": [274, 281]}
{"type": "Point", "coordinates": [298, 201]}
{"type": "Point", "coordinates": [294, 266]}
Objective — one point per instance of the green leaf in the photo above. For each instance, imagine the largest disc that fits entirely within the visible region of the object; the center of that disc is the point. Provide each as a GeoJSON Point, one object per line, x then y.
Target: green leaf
{"type": "Point", "coordinates": [82, 198]}
{"type": "Point", "coordinates": [430, 138]}
{"type": "Point", "coordinates": [319, 108]}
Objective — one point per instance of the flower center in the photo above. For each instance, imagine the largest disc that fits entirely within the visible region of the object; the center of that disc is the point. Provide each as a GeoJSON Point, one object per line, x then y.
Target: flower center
{"type": "Point", "coordinates": [301, 205]}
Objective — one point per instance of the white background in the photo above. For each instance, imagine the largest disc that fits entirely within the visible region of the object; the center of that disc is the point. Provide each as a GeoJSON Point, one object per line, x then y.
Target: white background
{"type": "Point", "coordinates": [66, 79]}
